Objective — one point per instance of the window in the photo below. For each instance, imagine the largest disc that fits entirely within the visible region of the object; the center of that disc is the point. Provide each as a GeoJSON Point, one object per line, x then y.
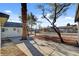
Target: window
{"type": "Point", "coordinates": [3, 29]}
{"type": "Point", "coordinates": [14, 29]}
{"type": "Point", "coordinates": [18, 30]}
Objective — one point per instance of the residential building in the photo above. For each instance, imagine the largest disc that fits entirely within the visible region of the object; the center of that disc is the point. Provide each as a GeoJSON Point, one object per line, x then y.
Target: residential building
{"type": "Point", "coordinates": [3, 19]}
{"type": "Point", "coordinates": [11, 29]}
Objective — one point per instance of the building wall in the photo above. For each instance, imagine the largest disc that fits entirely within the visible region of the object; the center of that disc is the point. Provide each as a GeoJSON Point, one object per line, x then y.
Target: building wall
{"type": "Point", "coordinates": [0, 36]}
{"type": "Point", "coordinates": [2, 20]}
{"type": "Point", "coordinates": [78, 31]}
{"type": "Point", "coordinates": [11, 32]}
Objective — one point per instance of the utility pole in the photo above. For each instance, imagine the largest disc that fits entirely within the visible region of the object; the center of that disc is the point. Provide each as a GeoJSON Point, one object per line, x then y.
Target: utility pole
{"type": "Point", "coordinates": [24, 20]}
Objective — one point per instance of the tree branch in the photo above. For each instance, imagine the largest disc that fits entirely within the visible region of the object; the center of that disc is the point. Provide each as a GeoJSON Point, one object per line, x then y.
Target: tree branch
{"type": "Point", "coordinates": [47, 18]}
{"type": "Point", "coordinates": [62, 8]}
{"type": "Point", "coordinates": [54, 15]}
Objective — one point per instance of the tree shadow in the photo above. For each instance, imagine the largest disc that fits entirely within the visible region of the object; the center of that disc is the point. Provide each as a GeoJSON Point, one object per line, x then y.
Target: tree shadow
{"type": "Point", "coordinates": [32, 49]}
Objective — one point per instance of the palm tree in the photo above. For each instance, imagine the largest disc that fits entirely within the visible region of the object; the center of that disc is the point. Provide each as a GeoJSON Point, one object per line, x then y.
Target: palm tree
{"type": "Point", "coordinates": [31, 20]}
{"type": "Point", "coordinates": [24, 20]}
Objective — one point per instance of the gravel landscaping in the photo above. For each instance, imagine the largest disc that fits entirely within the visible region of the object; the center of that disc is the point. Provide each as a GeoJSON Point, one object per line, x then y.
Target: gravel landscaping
{"type": "Point", "coordinates": [10, 49]}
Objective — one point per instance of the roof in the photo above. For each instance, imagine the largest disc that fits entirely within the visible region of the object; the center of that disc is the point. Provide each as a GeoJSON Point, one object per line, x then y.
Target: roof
{"type": "Point", "coordinates": [4, 15]}
{"type": "Point", "coordinates": [77, 14]}
{"type": "Point", "coordinates": [12, 24]}
{"type": "Point", "coordinates": [65, 27]}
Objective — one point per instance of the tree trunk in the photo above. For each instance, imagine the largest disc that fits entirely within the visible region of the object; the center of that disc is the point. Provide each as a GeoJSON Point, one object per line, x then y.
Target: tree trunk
{"type": "Point", "coordinates": [31, 29]}
{"type": "Point", "coordinates": [58, 32]}
{"type": "Point", "coordinates": [55, 28]}
{"type": "Point", "coordinates": [24, 21]}
{"type": "Point", "coordinates": [34, 32]}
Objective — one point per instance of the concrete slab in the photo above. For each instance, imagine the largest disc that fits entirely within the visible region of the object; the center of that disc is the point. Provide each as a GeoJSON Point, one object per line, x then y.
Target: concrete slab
{"type": "Point", "coordinates": [56, 49]}
{"type": "Point", "coordinates": [16, 40]}
{"type": "Point", "coordinates": [38, 47]}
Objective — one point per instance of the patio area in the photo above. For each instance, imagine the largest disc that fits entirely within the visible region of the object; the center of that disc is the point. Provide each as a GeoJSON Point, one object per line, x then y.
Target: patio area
{"type": "Point", "coordinates": [37, 47]}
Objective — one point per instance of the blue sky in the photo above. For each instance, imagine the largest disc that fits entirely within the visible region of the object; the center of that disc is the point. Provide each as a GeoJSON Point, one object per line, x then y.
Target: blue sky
{"type": "Point", "coordinates": [14, 10]}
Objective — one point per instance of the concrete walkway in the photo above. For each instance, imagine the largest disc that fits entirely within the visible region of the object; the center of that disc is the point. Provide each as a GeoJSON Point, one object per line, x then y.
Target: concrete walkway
{"type": "Point", "coordinates": [57, 49]}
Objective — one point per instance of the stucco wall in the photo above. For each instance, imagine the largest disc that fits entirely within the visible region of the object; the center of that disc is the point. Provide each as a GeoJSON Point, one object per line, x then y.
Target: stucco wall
{"type": "Point", "coordinates": [2, 20]}
{"type": "Point", "coordinates": [0, 36]}
{"type": "Point", "coordinates": [11, 32]}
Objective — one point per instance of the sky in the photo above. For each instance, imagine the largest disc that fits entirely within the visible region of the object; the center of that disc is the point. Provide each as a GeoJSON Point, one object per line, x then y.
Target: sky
{"type": "Point", "coordinates": [14, 10]}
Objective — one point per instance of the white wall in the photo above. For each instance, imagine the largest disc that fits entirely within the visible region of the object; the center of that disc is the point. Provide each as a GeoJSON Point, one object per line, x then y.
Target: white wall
{"type": "Point", "coordinates": [9, 32]}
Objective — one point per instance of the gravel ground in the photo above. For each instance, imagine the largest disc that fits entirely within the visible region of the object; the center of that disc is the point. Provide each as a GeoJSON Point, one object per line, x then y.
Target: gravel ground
{"type": "Point", "coordinates": [10, 49]}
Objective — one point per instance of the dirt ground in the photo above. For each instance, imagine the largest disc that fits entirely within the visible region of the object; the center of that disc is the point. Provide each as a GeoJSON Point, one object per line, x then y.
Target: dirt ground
{"type": "Point", "coordinates": [69, 38]}
{"type": "Point", "coordinates": [10, 49]}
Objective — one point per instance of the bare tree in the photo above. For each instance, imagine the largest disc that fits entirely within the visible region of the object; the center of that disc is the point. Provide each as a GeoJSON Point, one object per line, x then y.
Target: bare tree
{"type": "Point", "coordinates": [56, 10]}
